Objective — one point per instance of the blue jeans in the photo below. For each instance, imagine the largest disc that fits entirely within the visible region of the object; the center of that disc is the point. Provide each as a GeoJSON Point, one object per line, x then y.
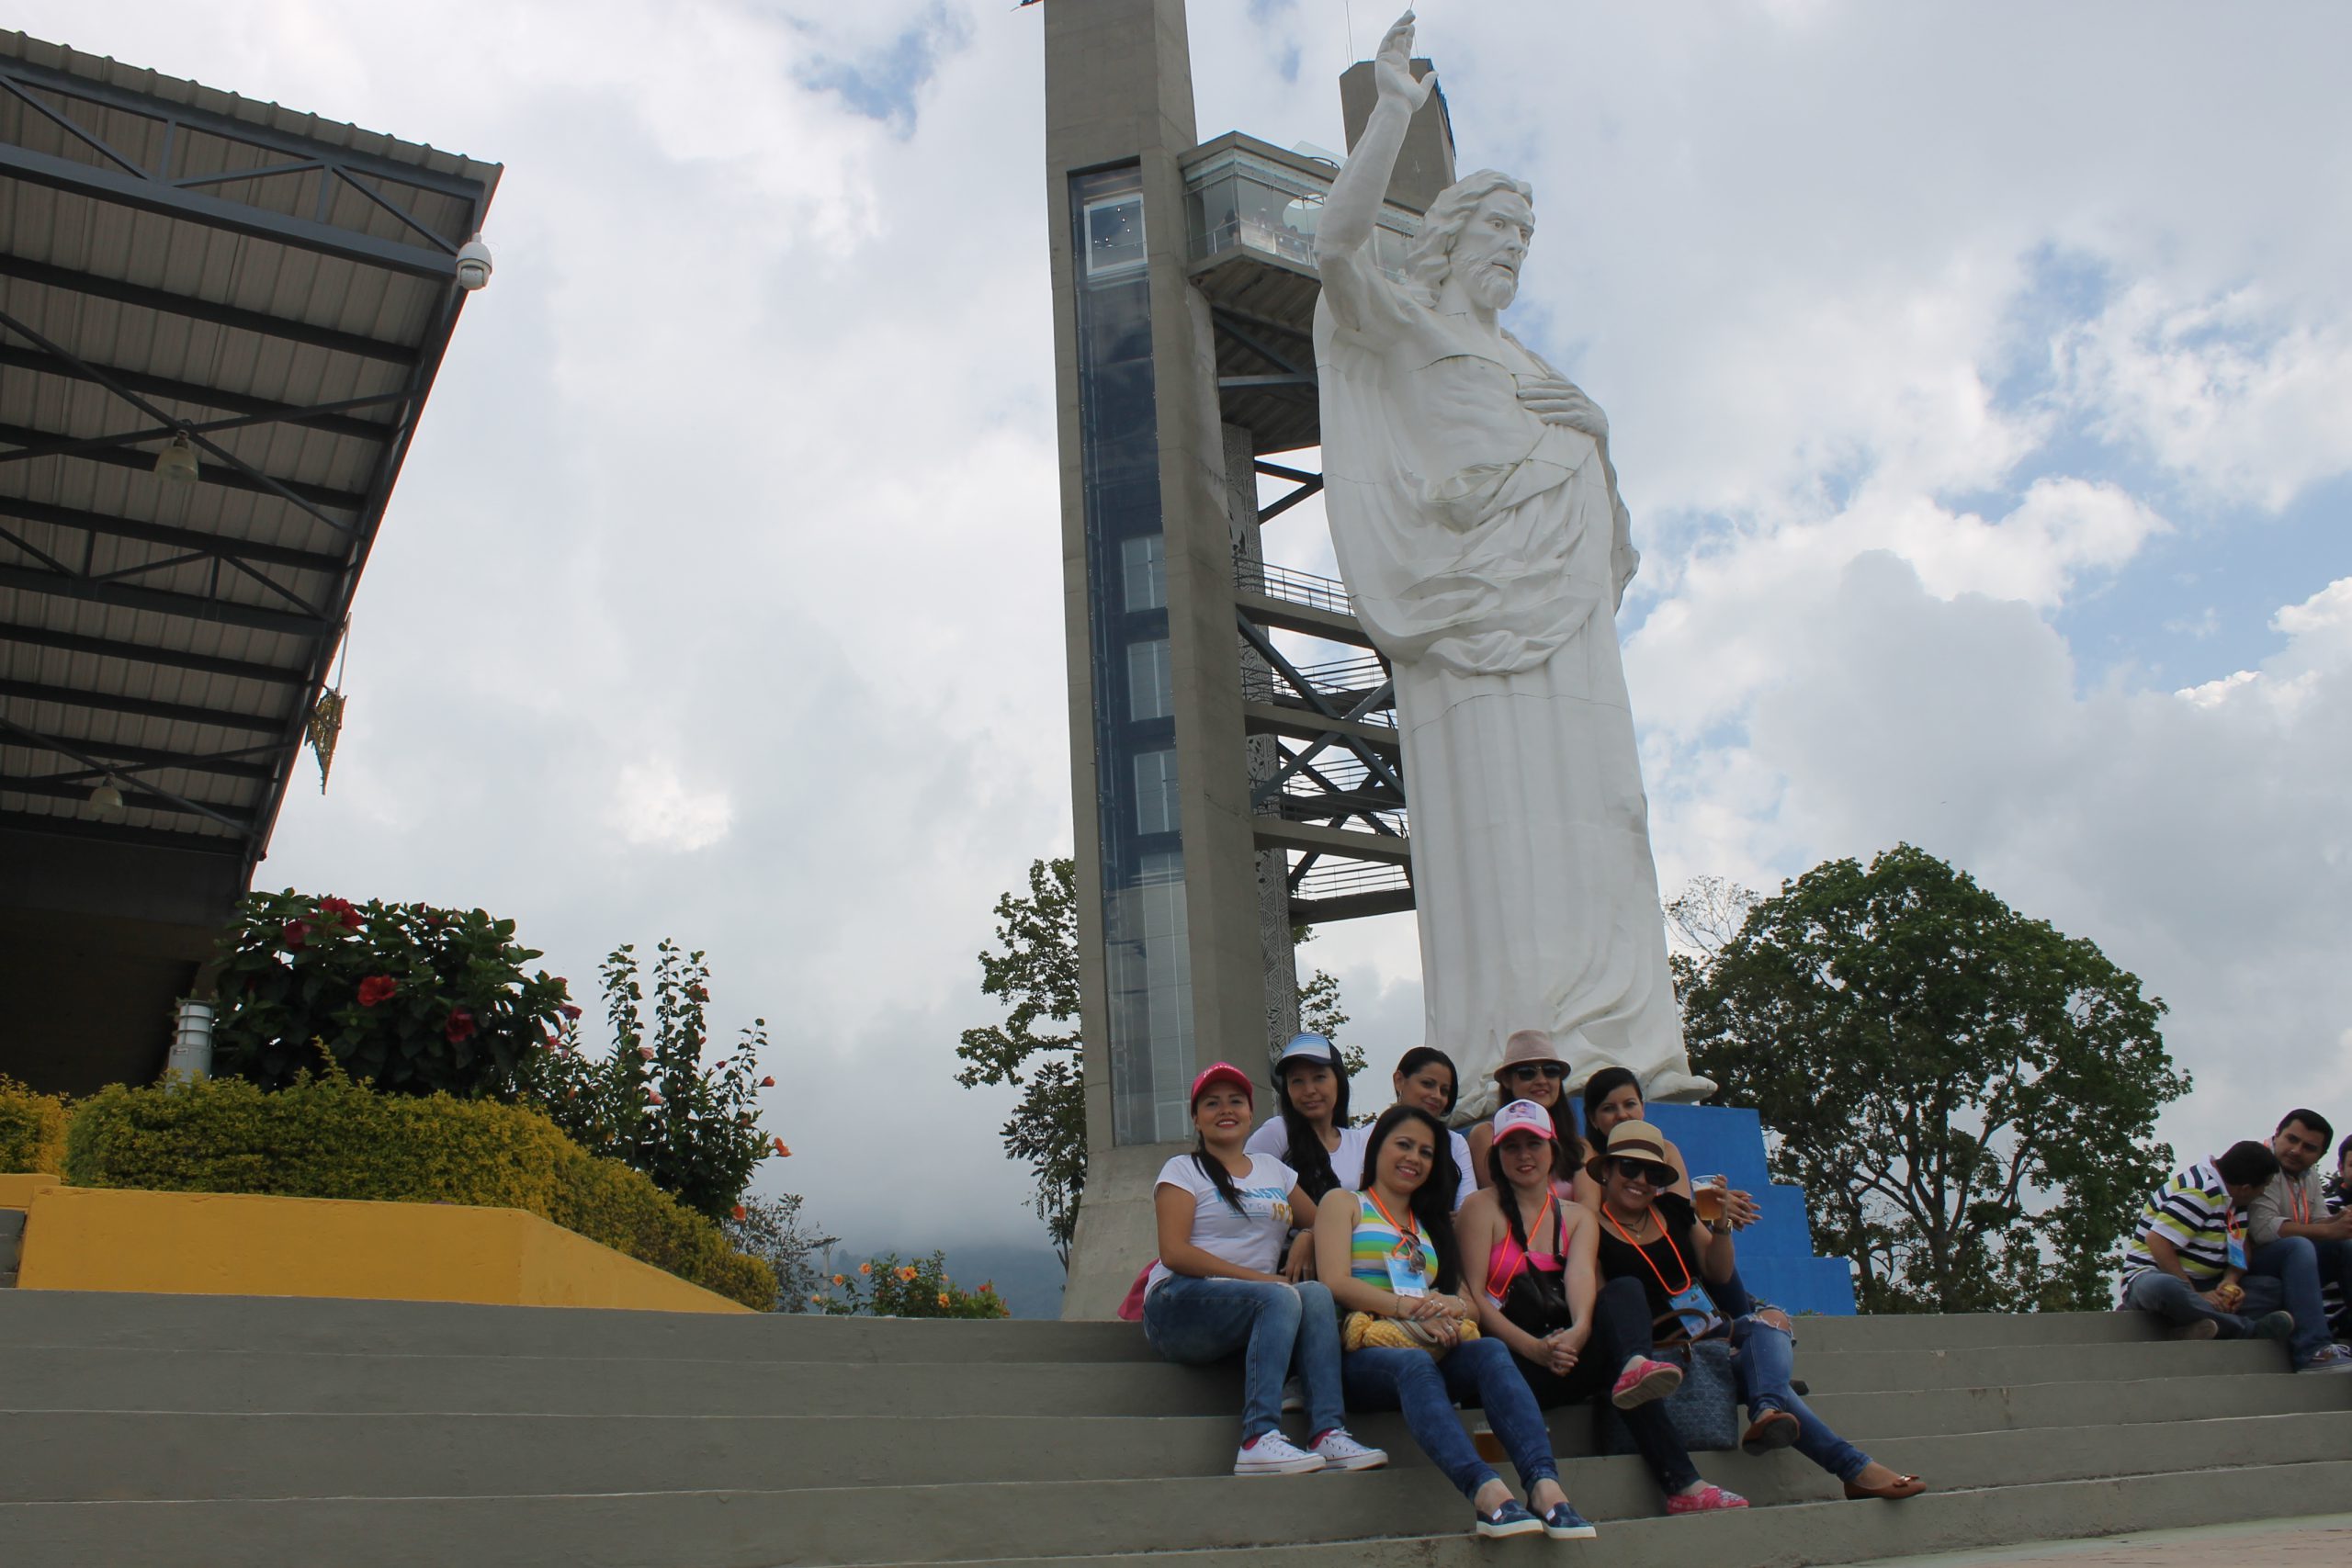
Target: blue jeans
{"type": "Point", "coordinates": [2286, 1274]}
{"type": "Point", "coordinates": [1477, 1371]}
{"type": "Point", "coordinates": [1765, 1362]}
{"type": "Point", "coordinates": [2179, 1302]}
{"type": "Point", "coordinates": [1280, 1329]}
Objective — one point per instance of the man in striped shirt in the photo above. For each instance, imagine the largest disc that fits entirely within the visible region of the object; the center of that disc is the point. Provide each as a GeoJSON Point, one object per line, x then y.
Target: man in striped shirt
{"type": "Point", "coordinates": [2189, 1257]}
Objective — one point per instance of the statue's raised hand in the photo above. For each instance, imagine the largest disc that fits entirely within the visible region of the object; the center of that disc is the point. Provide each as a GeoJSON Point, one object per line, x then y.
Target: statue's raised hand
{"type": "Point", "coordinates": [1562, 402]}
{"type": "Point", "coordinates": [1392, 68]}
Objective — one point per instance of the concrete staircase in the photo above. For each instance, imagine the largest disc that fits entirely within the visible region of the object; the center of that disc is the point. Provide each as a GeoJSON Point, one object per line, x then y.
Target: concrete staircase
{"type": "Point", "coordinates": [150, 1430]}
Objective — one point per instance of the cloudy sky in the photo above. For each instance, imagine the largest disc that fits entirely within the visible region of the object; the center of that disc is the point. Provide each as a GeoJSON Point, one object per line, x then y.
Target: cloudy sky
{"type": "Point", "coordinates": [1981, 379]}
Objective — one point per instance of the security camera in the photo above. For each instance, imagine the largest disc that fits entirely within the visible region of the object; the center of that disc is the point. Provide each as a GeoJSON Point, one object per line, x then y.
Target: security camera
{"type": "Point", "coordinates": [473, 264]}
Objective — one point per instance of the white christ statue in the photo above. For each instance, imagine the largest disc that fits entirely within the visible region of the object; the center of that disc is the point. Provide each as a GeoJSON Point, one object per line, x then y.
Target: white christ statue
{"type": "Point", "coordinates": [1474, 513]}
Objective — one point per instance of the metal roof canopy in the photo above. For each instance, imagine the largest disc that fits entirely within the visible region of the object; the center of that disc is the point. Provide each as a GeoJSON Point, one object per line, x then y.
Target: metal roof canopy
{"type": "Point", "coordinates": [276, 287]}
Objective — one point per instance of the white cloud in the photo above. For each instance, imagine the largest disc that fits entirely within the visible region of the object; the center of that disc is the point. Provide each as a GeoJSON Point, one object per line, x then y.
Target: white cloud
{"type": "Point", "coordinates": [653, 808]}
{"type": "Point", "coordinates": [751, 442]}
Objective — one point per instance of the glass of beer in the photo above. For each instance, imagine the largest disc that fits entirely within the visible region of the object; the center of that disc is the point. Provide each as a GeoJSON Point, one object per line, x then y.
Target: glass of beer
{"type": "Point", "coordinates": [1709, 1195]}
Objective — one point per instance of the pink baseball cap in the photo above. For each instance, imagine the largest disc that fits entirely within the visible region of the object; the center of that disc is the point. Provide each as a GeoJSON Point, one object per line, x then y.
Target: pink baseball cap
{"type": "Point", "coordinates": [1224, 1072]}
{"type": "Point", "coordinates": [1521, 1116]}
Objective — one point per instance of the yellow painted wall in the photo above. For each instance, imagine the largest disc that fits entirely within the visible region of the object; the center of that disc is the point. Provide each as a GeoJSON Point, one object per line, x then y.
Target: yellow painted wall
{"type": "Point", "coordinates": [16, 1189]}
{"type": "Point", "coordinates": [87, 1238]}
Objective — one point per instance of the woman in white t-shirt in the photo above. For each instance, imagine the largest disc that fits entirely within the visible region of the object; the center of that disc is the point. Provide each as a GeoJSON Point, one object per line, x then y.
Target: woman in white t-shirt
{"type": "Point", "coordinates": [1426, 1077]}
{"type": "Point", "coordinates": [1223, 1215]}
{"type": "Point", "coordinates": [1309, 1133]}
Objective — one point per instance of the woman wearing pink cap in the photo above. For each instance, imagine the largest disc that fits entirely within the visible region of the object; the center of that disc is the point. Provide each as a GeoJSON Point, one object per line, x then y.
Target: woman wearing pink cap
{"type": "Point", "coordinates": [1224, 1214]}
{"type": "Point", "coordinates": [1573, 1336]}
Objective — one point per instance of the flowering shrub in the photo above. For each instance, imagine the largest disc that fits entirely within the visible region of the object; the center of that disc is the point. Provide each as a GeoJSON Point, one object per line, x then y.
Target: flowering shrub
{"type": "Point", "coordinates": [32, 1129]}
{"type": "Point", "coordinates": [408, 998]}
{"type": "Point", "coordinates": [330, 1137]}
{"type": "Point", "coordinates": [885, 1287]}
{"type": "Point", "coordinates": [774, 1230]}
{"type": "Point", "coordinates": [652, 1104]}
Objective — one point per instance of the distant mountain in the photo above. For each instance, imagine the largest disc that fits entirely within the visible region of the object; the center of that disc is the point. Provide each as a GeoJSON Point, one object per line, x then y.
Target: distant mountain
{"type": "Point", "coordinates": [1029, 1277]}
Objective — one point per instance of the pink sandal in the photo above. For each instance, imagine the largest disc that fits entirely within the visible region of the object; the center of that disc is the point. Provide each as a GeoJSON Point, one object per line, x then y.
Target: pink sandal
{"type": "Point", "coordinates": [1642, 1380]}
{"type": "Point", "coordinates": [1706, 1500]}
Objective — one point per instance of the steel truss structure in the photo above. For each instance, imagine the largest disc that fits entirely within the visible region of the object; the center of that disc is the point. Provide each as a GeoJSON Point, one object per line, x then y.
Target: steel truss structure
{"type": "Point", "coordinates": [178, 264]}
{"type": "Point", "coordinates": [1327, 782]}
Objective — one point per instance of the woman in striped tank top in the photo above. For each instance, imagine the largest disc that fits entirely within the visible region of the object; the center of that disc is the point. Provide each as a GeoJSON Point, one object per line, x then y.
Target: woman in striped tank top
{"type": "Point", "coordinates": [1390, 1252]}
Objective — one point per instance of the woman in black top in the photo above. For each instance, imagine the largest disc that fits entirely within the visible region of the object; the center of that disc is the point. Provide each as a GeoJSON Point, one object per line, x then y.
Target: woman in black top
{"type": "Point", "coordinates": [1653, 1235]}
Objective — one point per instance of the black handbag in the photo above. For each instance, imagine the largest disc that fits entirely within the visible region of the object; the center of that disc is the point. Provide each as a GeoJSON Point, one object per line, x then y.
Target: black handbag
{"type": "Point", "coordinates": [1704, 1411]}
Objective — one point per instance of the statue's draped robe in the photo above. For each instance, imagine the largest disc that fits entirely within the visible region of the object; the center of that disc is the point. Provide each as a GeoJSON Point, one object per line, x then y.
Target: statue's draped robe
{"type": "Point", "coordinates": [1485, 552]}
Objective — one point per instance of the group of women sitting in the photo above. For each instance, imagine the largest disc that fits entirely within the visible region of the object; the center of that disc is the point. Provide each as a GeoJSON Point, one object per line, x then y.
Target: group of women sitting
{"type": "Point", "coordinates": [1400, 1267]}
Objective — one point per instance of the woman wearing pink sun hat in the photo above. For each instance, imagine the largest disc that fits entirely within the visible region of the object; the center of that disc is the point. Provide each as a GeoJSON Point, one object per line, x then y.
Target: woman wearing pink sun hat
{"type": "Point", "coordinates": [1535, 1252]}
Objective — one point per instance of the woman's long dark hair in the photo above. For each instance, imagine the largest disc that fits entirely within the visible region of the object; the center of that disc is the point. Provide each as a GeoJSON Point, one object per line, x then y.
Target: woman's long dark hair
{"type": "Point", "coordinates": [1421, 1056]}
{"type": "Point", "coordinates": [1303, 1151]}
{"type": "Point", "coordinates": [1433, 1202]}
{"type": "Point", "coordinates": [1604, 1084]}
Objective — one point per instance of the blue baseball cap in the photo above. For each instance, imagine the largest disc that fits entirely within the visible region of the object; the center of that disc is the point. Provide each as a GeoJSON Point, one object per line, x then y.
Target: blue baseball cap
{"type": "Point", "coordinates": [1307, 1048]}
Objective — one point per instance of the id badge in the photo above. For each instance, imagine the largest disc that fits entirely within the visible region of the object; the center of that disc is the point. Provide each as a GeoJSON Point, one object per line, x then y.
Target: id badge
{"type": "Point", "coordinates": [2237, 1253]}
{"type": "Point", "coordinates": [1697, 1310]}
{"type": "Point", "coordinates": [1407, 1276]}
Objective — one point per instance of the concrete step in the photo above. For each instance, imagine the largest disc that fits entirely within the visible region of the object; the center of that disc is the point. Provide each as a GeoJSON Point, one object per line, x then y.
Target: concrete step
{"type": "Point", "coordinates": [1306, 1522]}
{"type": "Point", "coordinates": [123, 1320]}
{"type": "Point", "coordinates": [76, 1378]}
{"type": "Point", "coordinates": [1797, 1536]}
{"type": "Point", "coordinates": [77, 1455]}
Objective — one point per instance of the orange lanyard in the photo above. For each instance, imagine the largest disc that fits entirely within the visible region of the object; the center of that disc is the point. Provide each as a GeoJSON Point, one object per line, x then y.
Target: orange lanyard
{"type": "Point", "coordinates": [2298, 1202]}
{"type": "Point", "coordinates": [1551, 1203]}
{"type": "Point", "coordinates": [1665, 1235]}
{"type": "Point", "coordinates": [1407, 1232]}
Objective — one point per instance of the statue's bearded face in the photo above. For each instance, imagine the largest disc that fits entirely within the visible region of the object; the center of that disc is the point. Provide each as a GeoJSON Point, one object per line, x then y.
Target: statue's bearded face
{"type": "Point", "coordinates": [1493, 248]}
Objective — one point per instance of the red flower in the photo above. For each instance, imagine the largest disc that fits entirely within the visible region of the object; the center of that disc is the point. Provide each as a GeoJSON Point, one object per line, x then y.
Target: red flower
{"type": "Point", "coordinates": [461, 1025]}
{"type": "Point", "coordinates": [378, 988]}
{"type": "Point", "coordinates": [782, 1150]}
{"type": "Point", "coordinates": [739, 1211]}
{"type": "Point", "coordinates": [569, 1010]}
{"type": "Point", "coordinates": [767, 1083]}
{"type": "Point", "coordinates": [342, 912]}
{"type": "Point", "coordinates": [296, 932]}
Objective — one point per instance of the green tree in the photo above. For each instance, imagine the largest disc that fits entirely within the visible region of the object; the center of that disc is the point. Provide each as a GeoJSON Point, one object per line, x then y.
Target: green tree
{"type": "Point", "coordinates": [653, 1103]}
{"type": "Point", "coordinates": [1036, 974]}
{"type": "Point", "coordinates": [1967, 1095]}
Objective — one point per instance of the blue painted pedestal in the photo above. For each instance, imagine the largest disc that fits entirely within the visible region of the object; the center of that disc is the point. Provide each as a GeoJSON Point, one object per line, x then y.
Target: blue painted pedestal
{"type": "Point", "coordinates": [1776, 1253]}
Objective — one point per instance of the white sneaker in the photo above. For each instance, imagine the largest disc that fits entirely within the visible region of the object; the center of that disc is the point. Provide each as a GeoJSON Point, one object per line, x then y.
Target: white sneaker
{"type": "Point", "coordinates": [1341, 1451]}
{"type": "Point", "coordinates": [2335, 1359]}
{"type": "Point", "coordinates": [1273, 1455]}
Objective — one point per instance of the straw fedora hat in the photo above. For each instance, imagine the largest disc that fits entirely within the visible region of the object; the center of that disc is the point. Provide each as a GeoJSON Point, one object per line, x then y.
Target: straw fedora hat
{"type": "Point", "coordinates": [1629, 1140]}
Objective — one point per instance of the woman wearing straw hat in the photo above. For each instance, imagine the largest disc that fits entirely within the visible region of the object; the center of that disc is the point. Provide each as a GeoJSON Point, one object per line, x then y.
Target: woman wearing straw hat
{"type": "Point", "coordinates": [1532, 1070]}
{"type": "Point", "coordinates": [1654, 1236]}
{"type": "Point", "coordinates": [1223, 1215]}
{"type": "Point", "coordinates": [1573, 1338]}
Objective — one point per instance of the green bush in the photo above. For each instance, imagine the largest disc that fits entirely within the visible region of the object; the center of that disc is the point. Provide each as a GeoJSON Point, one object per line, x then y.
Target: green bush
{"type": "Point", "coordinates": [884, 1286]}
{"type": "Point", "coordinates": [330, 1137]}
{"type": "Point", "coordinates": [410, 999]}
{"type": "Point", "coordinates": [32, 1129]}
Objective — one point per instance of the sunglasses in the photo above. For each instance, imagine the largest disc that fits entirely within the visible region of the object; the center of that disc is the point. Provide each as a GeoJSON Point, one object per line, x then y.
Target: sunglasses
{"type": "Point", "coordinates": [1539, 1070]}
{"type": "Point", "coordinates": [1643, 1170]}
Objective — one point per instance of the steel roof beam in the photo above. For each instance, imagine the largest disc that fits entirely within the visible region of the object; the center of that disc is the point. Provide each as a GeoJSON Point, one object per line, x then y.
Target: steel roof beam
{"type": "Point", "coordinates": [119, 833]}
{"type": "Point", "coordinates": [162, 601]}
{"type": "Point", "coordinates": [135, 794]}
{"type": "Point", "coordinates": [113, 757]}
{"type": "Point", "coordinates": [147, 653]}
{"type": "Point", "coordinates": [140, 707]}
{"type": "Point", "coordinates": [145, 194]}
{"type": "Point", "coordinates": [203, 396]}
{"type": "Point", "coordinates": [209, 310]}
{"type": "Point", "coordinates": [166, 534]}
{"type": "Point", "coordinates": [207, 473]}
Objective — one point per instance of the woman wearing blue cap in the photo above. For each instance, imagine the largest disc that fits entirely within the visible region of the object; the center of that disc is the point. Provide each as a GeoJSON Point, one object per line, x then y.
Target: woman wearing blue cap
{"type": "Point", "coordinates": [1309, 1130]}
{"type": "Point", "coordinates": [1223, 1215]}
